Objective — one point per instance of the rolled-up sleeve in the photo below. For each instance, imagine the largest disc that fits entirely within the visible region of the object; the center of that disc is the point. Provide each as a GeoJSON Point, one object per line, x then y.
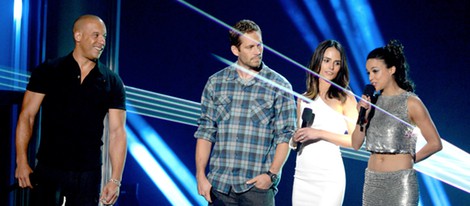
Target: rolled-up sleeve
{"type": "Point", "coordinates": [207, 126]}
{"type": "Point", "coordinates": [285, 123]}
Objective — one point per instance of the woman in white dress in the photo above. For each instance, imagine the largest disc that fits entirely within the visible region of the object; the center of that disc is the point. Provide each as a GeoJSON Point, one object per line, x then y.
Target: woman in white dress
{"type": "Point", "coordinates": [319, 173]}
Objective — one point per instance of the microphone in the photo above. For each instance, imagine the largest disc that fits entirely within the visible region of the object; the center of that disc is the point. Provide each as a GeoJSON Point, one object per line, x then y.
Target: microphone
{"type": "Point", "coordinates": [368, 91]}
{"type": "Point", "coordinates": [307, 120]}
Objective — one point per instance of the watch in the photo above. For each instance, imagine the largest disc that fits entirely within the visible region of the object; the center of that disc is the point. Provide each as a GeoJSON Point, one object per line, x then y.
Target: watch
{"type": "Point", "coordinates": [272, 176]}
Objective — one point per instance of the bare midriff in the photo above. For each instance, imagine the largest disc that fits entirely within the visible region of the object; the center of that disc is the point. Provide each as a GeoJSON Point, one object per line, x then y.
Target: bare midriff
{"type": "Point", "coordinates": [389, 162]}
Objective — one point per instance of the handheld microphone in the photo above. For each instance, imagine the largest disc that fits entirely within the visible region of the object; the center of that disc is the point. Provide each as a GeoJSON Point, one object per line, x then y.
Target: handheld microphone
{"type": "Point", "coordinates": [368, 91]}
{"type": "Point", "coordinates": [307, 120]}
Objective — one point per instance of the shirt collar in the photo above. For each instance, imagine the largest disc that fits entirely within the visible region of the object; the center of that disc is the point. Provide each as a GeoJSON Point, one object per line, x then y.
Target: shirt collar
{"type": "Point", "coordinates": [233, 71]}
{"type": "Point", "coordinates": [98, 66]}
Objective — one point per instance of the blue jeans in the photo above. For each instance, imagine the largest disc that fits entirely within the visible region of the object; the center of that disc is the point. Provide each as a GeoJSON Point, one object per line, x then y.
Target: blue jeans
{"type": "Point", "coordinates": [78, 187]}
{"type": "Point", "coordinates": [254, 196]}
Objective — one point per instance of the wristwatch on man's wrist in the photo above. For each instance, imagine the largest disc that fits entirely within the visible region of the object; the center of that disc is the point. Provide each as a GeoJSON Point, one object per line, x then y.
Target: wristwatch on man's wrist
{"type": "Point", "coordinates": [272, 176]}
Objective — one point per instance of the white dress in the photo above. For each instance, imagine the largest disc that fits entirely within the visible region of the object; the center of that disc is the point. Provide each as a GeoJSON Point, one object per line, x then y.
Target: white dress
{"type": "Point", "coordinates": [319, 172]}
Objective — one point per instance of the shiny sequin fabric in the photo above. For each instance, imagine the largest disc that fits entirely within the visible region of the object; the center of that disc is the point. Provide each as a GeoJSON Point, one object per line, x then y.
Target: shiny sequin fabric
{"type": "Point", "coordinates": [388, 135]}
{"type": "Point", "coordinates": [399, 188]}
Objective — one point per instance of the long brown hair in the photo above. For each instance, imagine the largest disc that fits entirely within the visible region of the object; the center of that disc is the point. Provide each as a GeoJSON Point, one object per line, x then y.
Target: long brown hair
{"type": "Point", "coordinates": [342, 79]}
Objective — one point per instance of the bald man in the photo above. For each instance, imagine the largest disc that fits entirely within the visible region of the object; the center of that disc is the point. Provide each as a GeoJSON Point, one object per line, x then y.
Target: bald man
{"type": "Point", "coordinates": [75, 92]}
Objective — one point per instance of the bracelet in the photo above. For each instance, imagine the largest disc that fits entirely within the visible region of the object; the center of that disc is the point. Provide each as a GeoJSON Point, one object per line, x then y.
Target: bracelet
{"type": "Point", "coordinates": [115, 181]}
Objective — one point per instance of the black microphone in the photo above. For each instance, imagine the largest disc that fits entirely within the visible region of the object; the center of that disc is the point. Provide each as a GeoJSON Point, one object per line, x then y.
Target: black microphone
{"type": "Point", "coordinates": [368, 91]}
{"type": "Point", "coordinates": [307, 120]}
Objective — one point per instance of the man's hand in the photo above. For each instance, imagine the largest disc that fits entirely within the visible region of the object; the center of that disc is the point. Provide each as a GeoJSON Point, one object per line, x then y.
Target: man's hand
{"type": "Point", "coordinates": [22, 173]}
{"type": "Point", "coordinates": [110, 193]}
{"type": "Point", "coordinates": [262, 181]}
{"type": "Point", "coordinates": [204, 188]}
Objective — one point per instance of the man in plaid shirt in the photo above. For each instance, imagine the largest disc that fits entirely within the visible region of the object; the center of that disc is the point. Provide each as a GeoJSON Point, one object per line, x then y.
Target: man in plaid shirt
{"type": "Point", "coordinates": [248, 119]}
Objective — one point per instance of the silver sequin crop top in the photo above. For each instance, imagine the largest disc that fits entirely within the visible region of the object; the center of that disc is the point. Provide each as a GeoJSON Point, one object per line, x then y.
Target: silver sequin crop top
{"type": "Point", "coordinates": [388, 135]}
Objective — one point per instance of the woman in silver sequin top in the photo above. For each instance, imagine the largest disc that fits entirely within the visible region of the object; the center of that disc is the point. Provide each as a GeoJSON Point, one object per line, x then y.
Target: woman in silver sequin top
{"type": "Point", "coordinates": [391, 138]}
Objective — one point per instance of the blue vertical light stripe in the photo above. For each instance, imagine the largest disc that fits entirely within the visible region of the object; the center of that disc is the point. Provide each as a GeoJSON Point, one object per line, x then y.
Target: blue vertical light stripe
{"type": "Point", "coordinates": [361, 31]}
{"type": "Point", "coordinates": [20, 39]}
{"type": "Point", "coordinates": [319, 17]}
{"type": "Point", "coordinates": [299, 19]}
{"type": "Point", "coordinates": [17, 10]}
{"type": "Point", "coordinates": [17, 17]}
{"type": "Point", "coordinates": [114, 63]}
{"type": "Point", "coordinates": [350, 34]}
{"type": "Point", "coordinates": [364, 21]}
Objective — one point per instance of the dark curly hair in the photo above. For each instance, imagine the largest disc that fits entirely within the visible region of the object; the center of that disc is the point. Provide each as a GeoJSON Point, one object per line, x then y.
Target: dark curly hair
{"type": "Point", "coordinates": [393, 54]}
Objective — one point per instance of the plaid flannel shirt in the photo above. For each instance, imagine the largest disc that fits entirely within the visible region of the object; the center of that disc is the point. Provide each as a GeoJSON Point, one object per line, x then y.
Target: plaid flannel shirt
{"type": "Point", "coordinates": [245, 121]}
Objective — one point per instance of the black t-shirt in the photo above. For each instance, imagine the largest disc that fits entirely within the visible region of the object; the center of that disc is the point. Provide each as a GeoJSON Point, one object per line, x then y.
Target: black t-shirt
{"type": "Point", "coordinates": [73, 112]}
